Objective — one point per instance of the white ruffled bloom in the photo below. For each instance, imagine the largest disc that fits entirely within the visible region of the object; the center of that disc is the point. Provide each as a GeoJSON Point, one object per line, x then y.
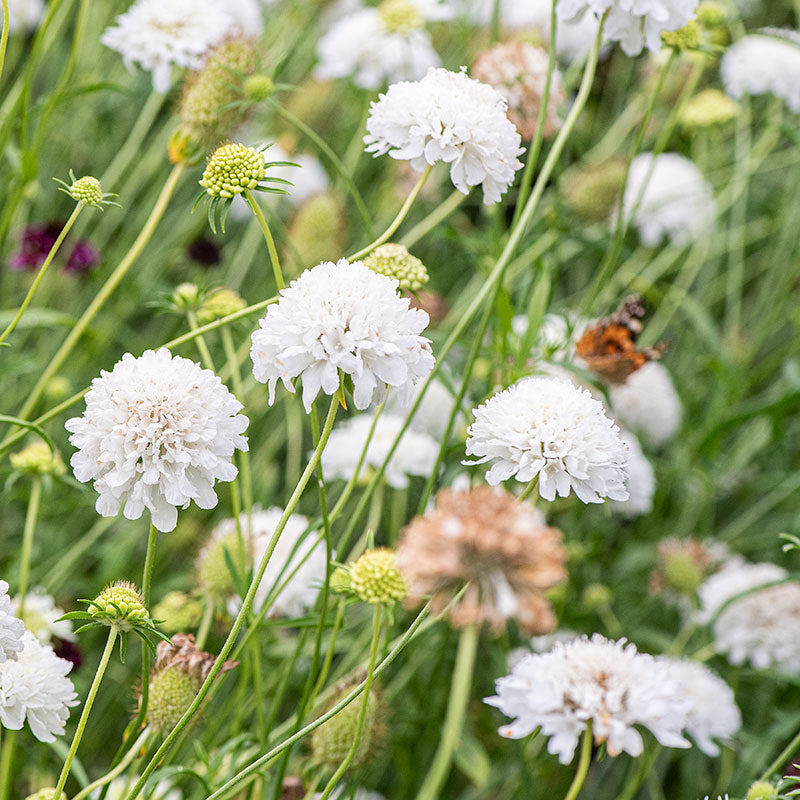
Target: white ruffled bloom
{"type": "Point", "coordinates": [668, 197]}
{"type": "Point", "coordinates": [342, 318]}
{"type": "Point", "coordinates": [158, 431]}
{"type": "Point", "coordinates": [713, 713]}
{"type": "Point", "coordinates": [157, 34]}
{"type": "Point", "coordinates": [36, 687]}
{"type": "Point", "coordinates": [762, 626]}
{"type": "Point", "coordinates": [296, 569]}
{"type": "Point", "coordinates": [609, 683]}
{"type": "Point", "coordinates": [24, 15]}
{"type": "Point", "coordinates": [41, 613]}
{"type": "Point", "coordinates": [379, 45]}
{"type": "Point", "coordinates": [633, 23]}
{"type": "Point", "coordinates": [11, 628]}
{"type": "Point", "coordinates": [415, 454]}
{"type": "Point", "coordinates": [648, 404]}
{"type": "Point", "coordinates": [641, 481]}
{"type": "Point", "coordinates": [547, 427]}
{"type": "Point", "coordinates": [764, 63]}
{"type": "Point", "coordinates": [448, 117]}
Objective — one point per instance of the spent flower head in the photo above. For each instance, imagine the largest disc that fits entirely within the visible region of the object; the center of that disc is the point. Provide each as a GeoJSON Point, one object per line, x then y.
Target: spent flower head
{"type": "Point", "coordinates": [86, 190]}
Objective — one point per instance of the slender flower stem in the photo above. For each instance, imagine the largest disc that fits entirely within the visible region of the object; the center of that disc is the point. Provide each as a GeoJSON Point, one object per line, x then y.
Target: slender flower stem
{"type": "Point", "coordinates": [529, 490]}
{"type": "Point", "coordinates": [401, 215]}
{"type": "Point", "coordinates": [362, 713]}
{"type": "Point", "coordinates": [205, 624]}
{"type": "Point", "coordinates": [583, 764]}
{"type": "Point", "coordinates": [27, 542]}
{"type": "Point", "coordinates": [247, 604]}
{"type": "Point", "coordinates": [202, 347]}
{"type": "Point", "coordinates": [439, 214]}
{"type": "Point", "coordinates": [4, 35]}
{"type": "Point", "coordinates": [50, 256]}
{"type": "Point", "coordinates": [273, 252]}
{"type": "Point", "coordinates": [109, 776]}
{"type": "Point", "coordinates": [639, 775]}
{"type": "Point", "coordinates": [782, 758]}
{"type": "Point", "coordinates": [87, 707]}
{"type": "Point", "coordinates": [7, 762]}
{"type": "Point", "coordinates": [460, 686]}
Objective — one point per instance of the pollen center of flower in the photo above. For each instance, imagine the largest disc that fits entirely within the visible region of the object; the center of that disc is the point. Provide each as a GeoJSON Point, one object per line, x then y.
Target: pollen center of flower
{"type": "Point", "coordinates": [400, 16]}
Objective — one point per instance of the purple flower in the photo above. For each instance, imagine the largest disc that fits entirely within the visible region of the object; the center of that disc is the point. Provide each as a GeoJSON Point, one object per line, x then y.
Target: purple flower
{"type": "Point", "coordinates": [37, 241]}
{"type": "Point", "coordinates": [84, 256]}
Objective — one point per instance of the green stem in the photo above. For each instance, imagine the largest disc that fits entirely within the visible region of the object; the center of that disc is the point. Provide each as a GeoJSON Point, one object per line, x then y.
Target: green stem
{"type": "Point", "coordinates": [247, 604]}
{"type": "Point", "coordinates": [35, 285]}
{"type": "Point", "coordinates": [528, 490]}
{"type": "Point", "coordinates": [27, 543]}
{"type": "Point", "coordinates": [640, 775]}
{"type": "Point", "coordinates": [202, 347]}
{"type": "Point", "coordinates": [460, 685]}
{"type": "Point", "coordinates": [401, 215]}
{"type": "Point", "coordinates": [109, 776]}
{"type": "Point", "coordinates": [362, 713]}
{"type": "Point", "coordinates": [205, 624]}
{"type": "Point", "coordinates": [6, 762]}
{"type": "Point", "coordinates": [273, 252]}
{"type": "Point", "coordinates": [440, 213]}
{"type": "Point", "coordinates": [782, 758]}
{"type": "Point", "coordinates": [583, 764]}
{"type": "Point", "coordinates": [76, 739]}
{"type": "Point", "coordinates": [4, 35]}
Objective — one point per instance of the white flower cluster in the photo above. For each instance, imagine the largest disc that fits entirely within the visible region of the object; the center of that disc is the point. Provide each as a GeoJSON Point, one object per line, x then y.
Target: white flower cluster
{"type": "Point", "coordinates": [549, 428]}
{"type": "Point", "coordinates": [764, 63]}
{"type": "Point", "coordinates": [41, 613]}
{"type": "Point", "coordinates": [342, 318]}
{"type": "Point", "coordinates": [667, 196]}
{"type": "Point", "coordinates": [415, 453]}
{"type": "Point", "coordinates": [448, 117]}
{"type": "Point", "coordinates": [157, 432]}
{"type": "Point", "coordinates": [157, 34]}
{"type": "Point", "coordinates": [379, 45]}
{"type": "Point", "coordinates": [11, 628]}
{"type": "Point", "coordinates": [633, 23]}
{"type": "Point", "coordinates": [608, 683]}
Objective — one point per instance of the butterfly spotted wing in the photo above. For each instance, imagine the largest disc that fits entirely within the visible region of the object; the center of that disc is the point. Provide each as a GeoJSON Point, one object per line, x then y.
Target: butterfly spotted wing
{"type": "Point", "coordinates": [609, 347]}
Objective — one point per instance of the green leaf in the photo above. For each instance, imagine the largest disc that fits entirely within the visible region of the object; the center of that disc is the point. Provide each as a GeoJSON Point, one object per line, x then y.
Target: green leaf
{"type": "Point", "coordinates": [473, 760]}
{"type": "Point", "coordinates": [75, 615]}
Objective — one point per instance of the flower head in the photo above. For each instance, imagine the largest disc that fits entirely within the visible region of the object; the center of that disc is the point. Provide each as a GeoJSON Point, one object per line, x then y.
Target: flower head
{"type": "Point", "coordinates": [608, 683]}
{"type": "Point", "coordinates": [11, 628]}
{"type": "Point", "coordinates": [41, 617]}
{"type": "Point", "coordinates": [120, 605]}
{"type": "Point", "coordinates": [709, 108]}
{"type": "Point", "coordinates": [502, 549]}
{"type": "Point", "coordinates": [177, 611]}
{"type": "Point", "coordinates": [549, 428]}
{"type": "Point", "coordinates": [38, 459]}
{"type": "Point", "coordinates": [231, 169]}
{"type": "Point", "coordinates": [375, 578]}
{"type": "Point", "coordinates": [158, 431]}
{"type": "Point", "coordinates": [448, 117]}
{"type": "Point", "coordinates": [640, 483]}
{"type": "Point", "coordinates": [36, 687]}
{"type": "Point", "coordinates": [342, 318]}
{"type": "Point", "coordinates": [394, 261]}
{"type": "Point", "coordinates": [24, 15]}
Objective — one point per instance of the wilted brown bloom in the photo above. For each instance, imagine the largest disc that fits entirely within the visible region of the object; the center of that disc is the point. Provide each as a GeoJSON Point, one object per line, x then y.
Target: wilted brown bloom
{"type": "Point", "coordinates": [501, 548]}
{"type": "Point", "coordinates": [518, 71]}
{"type": "Point", "coordinates": [184, 653]}
{"type": "Point", "coordinates": [683, 564]}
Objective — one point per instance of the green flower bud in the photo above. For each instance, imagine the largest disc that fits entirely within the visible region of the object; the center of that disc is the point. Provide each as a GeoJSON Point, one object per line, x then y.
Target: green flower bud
{"type": "Point", "coordinates": [87, 190]}
{"type": "Point", "coordinates": [400, 16]}
{"type": "Point", "coordinates": [761, 790]}
{"type": "Point", "coordinates": [708, 108]}
{"type": "Point", "coordinates": [186, 296]}
{"type": "Point", "coordinates": [590, 191]}
{"type": "Point", "coordinates": [374, 577]}
{"type": "Point", "coordinates": [689, 37]}
{"type": "Point", "coordinates": [177, 611]}
{"type": "Point", "coordinates": [120, 605]}
{"type": "Point", "coordinates": [258, 88]}
{"type": "Point", "coordinates": [48, 793]}
{"type": "Point", "coordinates": [596, 595]}
{"type": "Point", "coordinates": [37, 459]}
{"type": "Point", "coordinates": [682, 572]}
{"type": "Point", "coordinates": [712, 14]}
{"type": "Point", "coordinates": [394, 261]}
{"type": "Point", "coordinates": [58, 388]}
{"type": "Point", "coordinates": [317, 229]}
{"type": "Point", "coordinates": [220, 303]}
{"type": "Point", "coordinates": [231, 169]}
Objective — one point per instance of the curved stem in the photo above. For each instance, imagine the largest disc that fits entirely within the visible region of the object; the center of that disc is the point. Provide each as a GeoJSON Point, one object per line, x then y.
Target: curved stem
{"type": "Point", "coordinates": [401, 215]}
{"type": "Point", "coordinates": [273, 252]}
{"type": "Point", "coordinates": [782, 758]}
{"type": "Point", "coordinates": [202, 347]}
{"type": "Point", "coordinates": [362, 714]}
{"type": "Point", "coordinates": [205, 624]}
{"type": "Point", "coordinates": [35, 285]}
{"type": "Point", "coordinates": [247, 604]}
{"type": "Point", "coordinates": [109, 776]}
{"type": "Point", "coordinates": [4, 35]}
{"type": "Point", "coordinates": [583, 764]}
{"type": "Point", "coordinates": [440, 213]}
{"type": "Point", "coordinates": [76, 739]}
{"type": "Point", "coordinates": [27, 543]}
{"type": "Point", "coordinates": [460, 686]}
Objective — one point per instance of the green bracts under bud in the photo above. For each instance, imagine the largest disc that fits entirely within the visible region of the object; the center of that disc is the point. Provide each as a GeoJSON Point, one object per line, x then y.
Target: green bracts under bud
{"type": "Point", "coordinates": [120, 605]}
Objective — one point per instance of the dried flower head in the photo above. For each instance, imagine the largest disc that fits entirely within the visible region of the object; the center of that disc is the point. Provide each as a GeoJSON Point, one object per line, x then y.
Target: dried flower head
{"type": "Point", "coordinates": [394, 261]}
{"type": "Point", "coordinates": [375, 578]}
{"type": "Point", "coordinates": [501, 548]}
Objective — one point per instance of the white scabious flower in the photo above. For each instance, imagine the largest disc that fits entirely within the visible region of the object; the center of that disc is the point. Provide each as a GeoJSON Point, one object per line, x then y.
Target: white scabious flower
{"type": "Point", "coordinates": [609, 683]}
{"type": "Point", "coordinates": [41, 613]}
{"type": "Point", "coordinates": [764, 63]}
{"type": "Point", "coordinates": [157, 34]}
{"type": "Point", "coordinates": [448, 117]}
{"type": "Point", "coordinates": [158, 431]}
{"type": "Point", "coordinates": [342, 318]}
{"type": "Point", "coordinates": [11, 628]}
{"type": "Point", "coordinates": [713, 713]}
{"type": "Point", "coordinates": [374, 46]}
{"type": "Point", "coordinates": [633, 23]}
{"type": "Point", "coordinates": [668, 197]}
{"type": "Point", "coordinates": [36, 687]}
{"type": "Point", "coordinates": [415, 454]}
{"type": "Point", "coordinates": [648, 404]}
{"type": "Point", "coordinates": [24, 15]}
{"type": "Point", "coordinates": [641, 481]}
{"type": "Point", "coordinates": [549, 428]}
{"type": "Point", "coordinates": [763, 625]}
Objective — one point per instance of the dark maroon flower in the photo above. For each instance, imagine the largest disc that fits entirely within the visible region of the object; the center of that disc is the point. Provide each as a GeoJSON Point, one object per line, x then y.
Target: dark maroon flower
{"type": "Point", "coordinates": [37, 241]}
{"type": "Point", "coordinates": [204, 252]}
{"type": "Point", "coordinates": [68, 650]}
{"type": "Point", "coordinates": [84, 256]}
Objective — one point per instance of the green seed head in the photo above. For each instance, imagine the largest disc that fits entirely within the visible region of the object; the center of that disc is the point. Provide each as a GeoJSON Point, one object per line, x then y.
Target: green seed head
{"type": "Point", "coordinates": [120, 605]}
{"type": "Point", "coordinates": [708, 108]}
{"type": "Point", "coordinates": [596, 595]}
{"type": "Point", "coordinates": [400, 16]}
{"type": "Point", "coordinates": [178, 612]}
{"type": "Point", "coordinates": [682, 572]}
{"type": "Point", "coordinates": [394, 261]}
{"type": "Point", "coordinates": [589, 191]}
{"type": "Point", "coordinates": [87, 190]}
{"type": "Point", "coordinates": [761, 790]}
{"type": "Point", "coordinates": [37, 459]}
{"type": "Point", "coordinates": [172, 690]}
{"type": "Point", "coordinates": [689, 37]}
{"type": "Point", "coordinates": [374, 577]}
{"type": "Point", "coordinates": [220, 303]}
{"type": "Point", "coordinates": [231, 169]}
{"type": "Point", "coordinates": [258, 88]}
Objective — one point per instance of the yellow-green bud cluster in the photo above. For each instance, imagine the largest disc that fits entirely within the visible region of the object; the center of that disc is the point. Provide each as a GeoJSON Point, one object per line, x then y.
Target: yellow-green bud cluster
{"type": "Point", "coordinates": [220, 303]}
{"type": "Point", "coordinates": [48, 793]}
{"type": "Point", "coordinates": [120, 605]}
{"type": "Point", "coordinates": [258, 88]}
{"type": "Point", "coordinates": [57, 388]}
{"type": "Point", "coordinates": [331, 742]}
{"type": "Point", "coordinates": [38, 459]}
{"type": "Point", "coordinates": [708, 108]}
{"type": "Point", "coordinates": [177, 611]}
{"type": "Point", "coordinates": [186, 296]}
{"type": "Point", "coordinates": [596, 595]}
{"type": "Point", "coordinates": [400, 16]}
{"type": "Point", "coordinates": [394, 261]}
{"type": "Point", "coordinates": [316, 230]}
{"type": "Point", "coordinates": [683, 573]}
{"type": "Point", "coordinates": [590, 191]}
{"type": "Point", "coordinates": [761, 790]}
{"type": "Point", "coordinates": [689, 37]}
{"type": "Point", "coordinates": [87, 190]}
{"type": "Point", "coordinates": [213, 574]}
{"type": "Point", "coordinates": [231, 169]}
{"type": "Point", "coordinates": [171, 692]}
{"type": "Point", "coordinates": [375, 578]}
{"type": "Point", "coordinates": [712, 14]}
